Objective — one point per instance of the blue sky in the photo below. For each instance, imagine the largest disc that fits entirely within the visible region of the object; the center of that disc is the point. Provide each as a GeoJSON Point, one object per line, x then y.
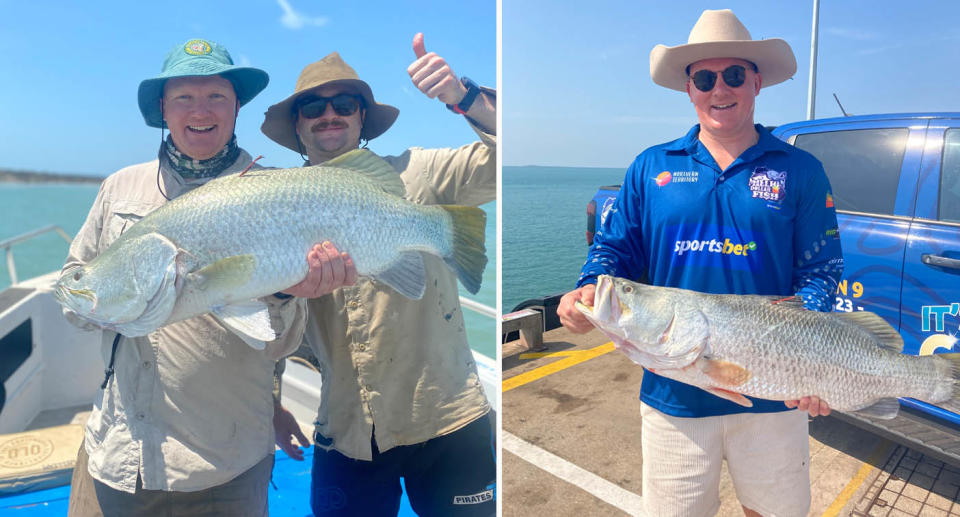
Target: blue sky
{"type": "Point", "coordinates": [577, 88]}
{"type": "Point", "coordinates": [68, 98]}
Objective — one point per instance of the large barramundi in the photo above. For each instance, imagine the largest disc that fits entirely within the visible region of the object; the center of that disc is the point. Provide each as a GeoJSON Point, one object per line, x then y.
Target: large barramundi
{"type": "Point", "coordinates": [240, 237]}
{"type": "Point", "coordinates": [769, 347]}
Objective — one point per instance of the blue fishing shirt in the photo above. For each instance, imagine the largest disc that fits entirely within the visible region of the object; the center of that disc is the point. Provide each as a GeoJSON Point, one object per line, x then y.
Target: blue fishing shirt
{"type": "Point", "coordinates": [766, 225]}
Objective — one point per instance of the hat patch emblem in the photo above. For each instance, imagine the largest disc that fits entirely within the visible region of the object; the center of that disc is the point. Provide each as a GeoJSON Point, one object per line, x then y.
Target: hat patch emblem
{"type": "Point", "coordinates": [197, 47]}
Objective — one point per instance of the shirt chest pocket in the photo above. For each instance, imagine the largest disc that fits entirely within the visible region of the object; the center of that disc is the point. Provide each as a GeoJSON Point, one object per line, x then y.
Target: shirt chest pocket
{"type": "Point", "coordinates": [123, 214]}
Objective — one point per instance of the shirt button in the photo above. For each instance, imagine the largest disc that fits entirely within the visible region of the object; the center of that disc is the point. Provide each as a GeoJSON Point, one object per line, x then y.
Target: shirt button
{"type": "Point", "coordinates": [721, 179]}
{"type": "Point", "coordinates": [361, 347]}
{"type": "Point", "coordinates": [146, 365]}
{"type": "Point", "coordinates": [141, 416]}
{"type": "Point", "coordinates": [353, 305]}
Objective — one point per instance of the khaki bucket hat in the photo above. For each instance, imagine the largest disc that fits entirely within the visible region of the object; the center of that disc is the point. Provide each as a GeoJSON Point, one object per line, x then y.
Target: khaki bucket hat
{"type": "Point", "coordinates": [278, 122]}
{"type": "Point", "coordinates": [719, 34]}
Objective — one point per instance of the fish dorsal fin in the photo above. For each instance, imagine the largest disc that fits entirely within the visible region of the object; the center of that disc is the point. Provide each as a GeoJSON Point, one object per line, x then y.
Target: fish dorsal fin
{"type": "Point", "coordinates": [875, 325]}
{"type": "Point", "coordinates": [249, 320]}
{"type": "Point", "coordinates": [372, 166]}
{"type": "Point", "coordinates": [406, 275]}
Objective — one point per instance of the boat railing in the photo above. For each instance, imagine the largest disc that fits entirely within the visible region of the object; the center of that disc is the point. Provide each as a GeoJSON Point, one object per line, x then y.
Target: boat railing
{"type": "Point", "coordinates": [7, 246]}
{"type": "Point", "coordinates": [478, 307]}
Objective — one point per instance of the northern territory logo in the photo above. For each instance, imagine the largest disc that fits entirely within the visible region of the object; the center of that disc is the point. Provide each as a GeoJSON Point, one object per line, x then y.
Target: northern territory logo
{"type": "Point", "coordinates": [768, 184]}
{"type": "Point", "coordinates": [666, 177]}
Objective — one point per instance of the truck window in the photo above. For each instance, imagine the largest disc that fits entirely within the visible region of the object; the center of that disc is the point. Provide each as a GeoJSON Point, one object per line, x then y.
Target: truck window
{"type": "Point", "coordinates": [863, 166]}
{"type": "Point", "coordinates": [950, 178]}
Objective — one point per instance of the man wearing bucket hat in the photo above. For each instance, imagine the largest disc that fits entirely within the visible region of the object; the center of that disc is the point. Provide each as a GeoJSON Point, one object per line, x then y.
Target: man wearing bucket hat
{"type": "Point", "coordinates": [728, 181]}
{"type": "Point", "coordinates": [401, 393]}
{"type": "Point", "coordinates": [182, 425]}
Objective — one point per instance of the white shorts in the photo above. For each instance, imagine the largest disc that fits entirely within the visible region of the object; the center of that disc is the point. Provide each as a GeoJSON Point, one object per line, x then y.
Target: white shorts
{"type": "Point", "coordinates": [768, 457]}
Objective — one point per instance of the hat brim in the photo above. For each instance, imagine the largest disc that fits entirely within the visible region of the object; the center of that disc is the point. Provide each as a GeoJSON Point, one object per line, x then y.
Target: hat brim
{"type": "Point", "coordinates": [247, 83]}
{"type": "Point", "coordinates": [773, 57]}
{"type": "Point", "coordinates": [279, 122]}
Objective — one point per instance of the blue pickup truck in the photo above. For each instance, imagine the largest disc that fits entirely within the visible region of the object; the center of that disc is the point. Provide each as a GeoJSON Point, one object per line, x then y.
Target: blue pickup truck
{"type": "Point", "coordinates": [896, 188]}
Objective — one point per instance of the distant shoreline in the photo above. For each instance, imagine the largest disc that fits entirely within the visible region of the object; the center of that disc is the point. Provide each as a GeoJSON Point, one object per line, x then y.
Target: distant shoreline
{"type": "Point", "coordinates": [7, 176]}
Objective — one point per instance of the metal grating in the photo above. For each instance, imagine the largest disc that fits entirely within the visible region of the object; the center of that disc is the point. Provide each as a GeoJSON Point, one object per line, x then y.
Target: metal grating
{"type": "Point", "coordinates": [912, 484]}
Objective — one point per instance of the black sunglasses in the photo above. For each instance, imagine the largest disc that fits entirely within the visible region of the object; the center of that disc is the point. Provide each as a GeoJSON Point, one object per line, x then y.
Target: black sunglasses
{"type": "Point", "coordinates": [343, 104]}
{"type": "Point", "coordinates": [733, 75]}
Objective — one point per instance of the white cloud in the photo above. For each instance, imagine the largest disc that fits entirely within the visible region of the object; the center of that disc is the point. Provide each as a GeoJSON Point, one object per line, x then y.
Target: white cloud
{"type": "Point", "coordinates": [294, 20]}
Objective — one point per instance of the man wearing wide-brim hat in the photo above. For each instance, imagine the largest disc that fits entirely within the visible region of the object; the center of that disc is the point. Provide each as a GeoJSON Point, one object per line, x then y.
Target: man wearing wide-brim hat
{"type": "Point", "coordinates": [182, 425]}
{"type": "Point", "coordinates": [401, 393]}
{"type": "Point", "coordinates": [728, 208]}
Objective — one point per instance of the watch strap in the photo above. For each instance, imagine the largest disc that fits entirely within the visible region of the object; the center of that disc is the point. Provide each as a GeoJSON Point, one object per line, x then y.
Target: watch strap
{"type": "Point", "coordinates": [463, 106]}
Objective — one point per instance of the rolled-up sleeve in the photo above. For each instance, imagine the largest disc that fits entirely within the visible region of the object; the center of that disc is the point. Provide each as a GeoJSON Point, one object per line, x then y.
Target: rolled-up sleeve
{"type": "Point", "coordinates": [466, 175]}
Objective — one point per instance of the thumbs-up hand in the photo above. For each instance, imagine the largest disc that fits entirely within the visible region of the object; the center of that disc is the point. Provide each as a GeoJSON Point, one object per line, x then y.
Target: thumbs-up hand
{"type": "Point", "coordinates": [432, 75]}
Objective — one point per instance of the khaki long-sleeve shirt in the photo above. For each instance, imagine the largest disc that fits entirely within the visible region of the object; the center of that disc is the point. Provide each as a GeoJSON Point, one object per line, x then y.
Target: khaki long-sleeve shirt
{"type": "Point", "coordinates": [397, 367]}
{"type": "Point", "coordinates": [190, 405]}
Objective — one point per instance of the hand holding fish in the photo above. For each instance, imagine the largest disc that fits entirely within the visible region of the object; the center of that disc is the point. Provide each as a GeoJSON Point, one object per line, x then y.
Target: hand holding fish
{"type": "Point", "coordinates": [570, 316]}
{"type": "Point", "coordinates": [812, 405]}
{"type": "Point", "coordinates": [329, 270]}
{"type": "Point", "coordinates": [432, 75]}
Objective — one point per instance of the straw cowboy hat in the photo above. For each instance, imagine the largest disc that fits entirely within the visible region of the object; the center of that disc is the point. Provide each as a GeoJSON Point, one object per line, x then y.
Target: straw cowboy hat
{"type": "Point", "coordinates": [198, 57]}
{"type": "Point", "coordinates": [279, 120]}
{"type": "Point", "coordinates": [719, 34]}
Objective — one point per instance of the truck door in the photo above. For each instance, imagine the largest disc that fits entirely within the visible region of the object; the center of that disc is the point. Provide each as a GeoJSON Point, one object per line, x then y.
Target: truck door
{"type": "Point", "coordinates": [873, 167]}
{"type": "Point", "coordinates": [931, 279]}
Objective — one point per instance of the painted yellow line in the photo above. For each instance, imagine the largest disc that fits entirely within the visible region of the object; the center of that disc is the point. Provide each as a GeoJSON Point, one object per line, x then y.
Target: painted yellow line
{"type": "Point", "coordinates": [538, 355]}
{"type": "Point", "coordinates": [876, 457]}
{"type": "Point", "coordinates": [567, 362]}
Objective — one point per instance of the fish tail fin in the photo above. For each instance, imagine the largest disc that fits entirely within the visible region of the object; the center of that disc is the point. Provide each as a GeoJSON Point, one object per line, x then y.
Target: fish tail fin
{"type": "Point", "coordinates": [468, 254]}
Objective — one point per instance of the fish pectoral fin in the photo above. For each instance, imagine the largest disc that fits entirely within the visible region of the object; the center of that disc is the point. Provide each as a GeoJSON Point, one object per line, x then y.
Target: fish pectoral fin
{"type": "Point", "coordinates": [732, 396]}
{"type": "Point", "coordinates": [225, 274]}
{"type": "Point", "coordinates": [249, 320]}
{"type": "Point", "coordinates": [725, 372]}
{"type": "Point", "coordinates": [406, 275]}
{"type": "Point", "coordinates": [374, 167]}
{"type": "Point", "coordinates": [884, 409]}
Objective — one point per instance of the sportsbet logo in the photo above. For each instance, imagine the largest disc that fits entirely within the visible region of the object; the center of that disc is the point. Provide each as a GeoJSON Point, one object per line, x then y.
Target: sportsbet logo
{"type": "Point", "coordinates": [714, 246]}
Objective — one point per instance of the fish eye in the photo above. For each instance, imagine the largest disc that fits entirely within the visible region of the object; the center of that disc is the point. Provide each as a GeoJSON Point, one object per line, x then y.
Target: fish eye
{"type": "Point", "coordinates": [77, 275]}
{"type": "Point", "coordinates": [628, 289]}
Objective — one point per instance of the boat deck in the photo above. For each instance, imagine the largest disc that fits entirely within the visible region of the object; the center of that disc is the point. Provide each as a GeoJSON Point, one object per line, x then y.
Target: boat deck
{"type": "Point", "coordinates": [571, 445]}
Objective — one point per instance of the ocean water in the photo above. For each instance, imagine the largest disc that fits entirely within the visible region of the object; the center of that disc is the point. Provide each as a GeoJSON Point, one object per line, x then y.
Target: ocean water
{"type": "Point", "coordinates": [24, 208]}
{"type": "Point", "coordinates": [544, 227]}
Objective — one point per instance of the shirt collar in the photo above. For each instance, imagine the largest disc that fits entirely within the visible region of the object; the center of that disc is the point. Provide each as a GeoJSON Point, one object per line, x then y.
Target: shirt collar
{"type": "Point", "coordinates": [691, 145]}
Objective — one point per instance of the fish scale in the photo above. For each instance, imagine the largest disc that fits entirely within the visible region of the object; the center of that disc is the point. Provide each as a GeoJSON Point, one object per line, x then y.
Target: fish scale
{"type": "Point", "coordinates": [734, 345]}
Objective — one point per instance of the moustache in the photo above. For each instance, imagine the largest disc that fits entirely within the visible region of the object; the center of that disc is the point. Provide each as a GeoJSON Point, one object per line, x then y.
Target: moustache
{"type": "Point", "coordinates": [328, 124]}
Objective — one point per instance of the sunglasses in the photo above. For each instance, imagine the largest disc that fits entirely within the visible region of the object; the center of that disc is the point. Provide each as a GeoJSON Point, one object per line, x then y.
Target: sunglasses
{"type": "Point", "coordinates": [343, 104]}
{"type": "Point", "coordinates": [733, 75]}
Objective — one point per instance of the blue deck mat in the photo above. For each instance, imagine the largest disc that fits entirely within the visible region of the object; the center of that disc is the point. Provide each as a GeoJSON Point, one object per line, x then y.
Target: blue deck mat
{"type": "Point", "coordinates": [291, 498]}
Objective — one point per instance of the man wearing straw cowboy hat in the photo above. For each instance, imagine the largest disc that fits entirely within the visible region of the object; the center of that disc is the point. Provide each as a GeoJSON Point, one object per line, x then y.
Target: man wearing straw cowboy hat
{"type": "Point", "coordinates": [401, 393]}
{"type": "Point", "coordinates": [182, 425]}
{"type": "Point", "coordinates": [726, 180]}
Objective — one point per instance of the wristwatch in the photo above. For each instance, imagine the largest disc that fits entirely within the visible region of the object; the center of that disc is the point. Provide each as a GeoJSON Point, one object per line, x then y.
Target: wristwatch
{"type": "Point", "coordinates": [464, 105]}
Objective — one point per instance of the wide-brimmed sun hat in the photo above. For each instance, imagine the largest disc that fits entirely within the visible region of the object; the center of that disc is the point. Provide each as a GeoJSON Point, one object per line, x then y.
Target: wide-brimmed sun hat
{"type": "Point", "coordinates": [198, 57]}
{"type": "Point", "coordinates": [719, 34]}
{"type": "Point", "coordinates": [279, 120]}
